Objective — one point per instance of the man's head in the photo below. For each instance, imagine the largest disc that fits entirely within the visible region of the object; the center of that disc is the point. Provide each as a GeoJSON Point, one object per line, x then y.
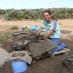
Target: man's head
{"type": "Point", "coordinates": [47, 15]}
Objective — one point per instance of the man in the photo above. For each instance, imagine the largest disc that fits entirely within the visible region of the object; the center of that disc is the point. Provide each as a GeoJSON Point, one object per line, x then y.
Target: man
{"type": "Point", "coordinates": [51, 27]}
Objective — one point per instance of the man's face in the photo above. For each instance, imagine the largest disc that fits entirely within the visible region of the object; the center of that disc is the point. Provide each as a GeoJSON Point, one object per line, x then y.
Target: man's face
{"type": "Point", "coordinates": [46, 16]}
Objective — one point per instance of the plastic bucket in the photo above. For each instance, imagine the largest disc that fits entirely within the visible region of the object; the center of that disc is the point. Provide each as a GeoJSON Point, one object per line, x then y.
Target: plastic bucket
{"type": "Point", "coordinates": [19, 66]}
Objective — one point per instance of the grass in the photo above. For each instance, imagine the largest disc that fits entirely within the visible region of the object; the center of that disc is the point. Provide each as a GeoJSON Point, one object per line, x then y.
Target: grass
{"type": "Point", "coordinates": [14, 28]}
{"type": "Point", "coordinates": [4, 36]}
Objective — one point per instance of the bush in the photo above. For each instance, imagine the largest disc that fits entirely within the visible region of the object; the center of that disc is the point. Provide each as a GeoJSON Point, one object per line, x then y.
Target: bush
{"type": "Point", "coordinates": [20, 15]}
{"type": "Point", "coordinates": [11, 15]}
{"type": "Point", "coordinates": [14, 28]}
{"type": "Point", "coordinates": [58, 13]}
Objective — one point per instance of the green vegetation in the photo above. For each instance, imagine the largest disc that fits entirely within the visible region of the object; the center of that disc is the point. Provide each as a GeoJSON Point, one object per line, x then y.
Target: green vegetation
{"type": "Point", "coordinates": [58, 13]}
{"type": "Point", "coordinates": [14, 28]}
{"type": "Point", "coordinates": [4, 36]}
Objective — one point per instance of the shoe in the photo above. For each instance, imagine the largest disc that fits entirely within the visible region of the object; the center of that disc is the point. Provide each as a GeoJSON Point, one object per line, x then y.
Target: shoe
{"type": "Point", "coordinates": [53, 52]}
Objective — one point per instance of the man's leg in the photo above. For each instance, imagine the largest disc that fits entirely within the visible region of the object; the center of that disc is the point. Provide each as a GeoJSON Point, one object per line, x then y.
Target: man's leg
{"type": "Point", "coordinates": [59, 47]}
{"type": "Point", "coordinates": [55, 40]}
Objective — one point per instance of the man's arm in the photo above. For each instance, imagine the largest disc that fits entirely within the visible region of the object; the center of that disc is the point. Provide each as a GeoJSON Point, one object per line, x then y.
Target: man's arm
{"type": "Point", "coordinates": [39, 31]}
{"type": "Point", "coordinates": [48, 34]}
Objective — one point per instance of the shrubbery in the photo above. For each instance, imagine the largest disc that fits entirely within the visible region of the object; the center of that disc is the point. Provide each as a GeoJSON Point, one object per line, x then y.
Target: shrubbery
{"type": "Point", "coordinates": [14, 28]}
{"type": "Point", "coordinates": [59, 13]}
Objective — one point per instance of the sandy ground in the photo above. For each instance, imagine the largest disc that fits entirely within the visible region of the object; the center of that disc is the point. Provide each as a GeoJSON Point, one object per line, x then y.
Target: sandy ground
{"type": "Point", "coordinates": [64, 25]}
{"type": "Point", "coordinates": [48, 65]}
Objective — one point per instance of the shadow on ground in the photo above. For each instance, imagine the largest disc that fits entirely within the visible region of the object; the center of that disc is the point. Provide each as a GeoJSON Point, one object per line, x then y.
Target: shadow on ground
{"type": "Point", "coordinates": [48, 65]}
{"type": "Point", "coordinates": [66, 31]}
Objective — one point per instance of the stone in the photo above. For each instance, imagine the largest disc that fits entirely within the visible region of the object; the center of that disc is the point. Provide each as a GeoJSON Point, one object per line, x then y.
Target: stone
{"type": "Point", "coordinates": [41, 46]}
{"type": "Point", "coordinates": [5, 56]}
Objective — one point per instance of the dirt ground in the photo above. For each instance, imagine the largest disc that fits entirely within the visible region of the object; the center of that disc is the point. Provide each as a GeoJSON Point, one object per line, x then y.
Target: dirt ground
{"type": "Point", "coordinates": [64, 25]}
{"type": "Point", "coordinates": [47, 65]}
{"type": "Point", "coordinates": [5, 25]}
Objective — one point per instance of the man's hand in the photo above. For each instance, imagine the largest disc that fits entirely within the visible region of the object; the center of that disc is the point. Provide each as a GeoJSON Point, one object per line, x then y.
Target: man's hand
{"type": "Point", "coordinates": [41, 38]}
{"type": "Point", "coordinates": [36, 37]}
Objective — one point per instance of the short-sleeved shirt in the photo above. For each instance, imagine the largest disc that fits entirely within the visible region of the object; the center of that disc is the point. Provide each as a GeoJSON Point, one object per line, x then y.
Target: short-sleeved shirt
{"type": "Point", "coordinates": [54, 25]}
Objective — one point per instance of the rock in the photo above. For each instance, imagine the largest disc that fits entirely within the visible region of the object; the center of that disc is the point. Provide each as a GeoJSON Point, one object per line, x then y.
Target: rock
{"type": "Point", "coordinates": [23, 55]}
{"type": "Point", "coordinates": [5, 56]}
{"type": "Point", "coordinates": [41, 46]}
